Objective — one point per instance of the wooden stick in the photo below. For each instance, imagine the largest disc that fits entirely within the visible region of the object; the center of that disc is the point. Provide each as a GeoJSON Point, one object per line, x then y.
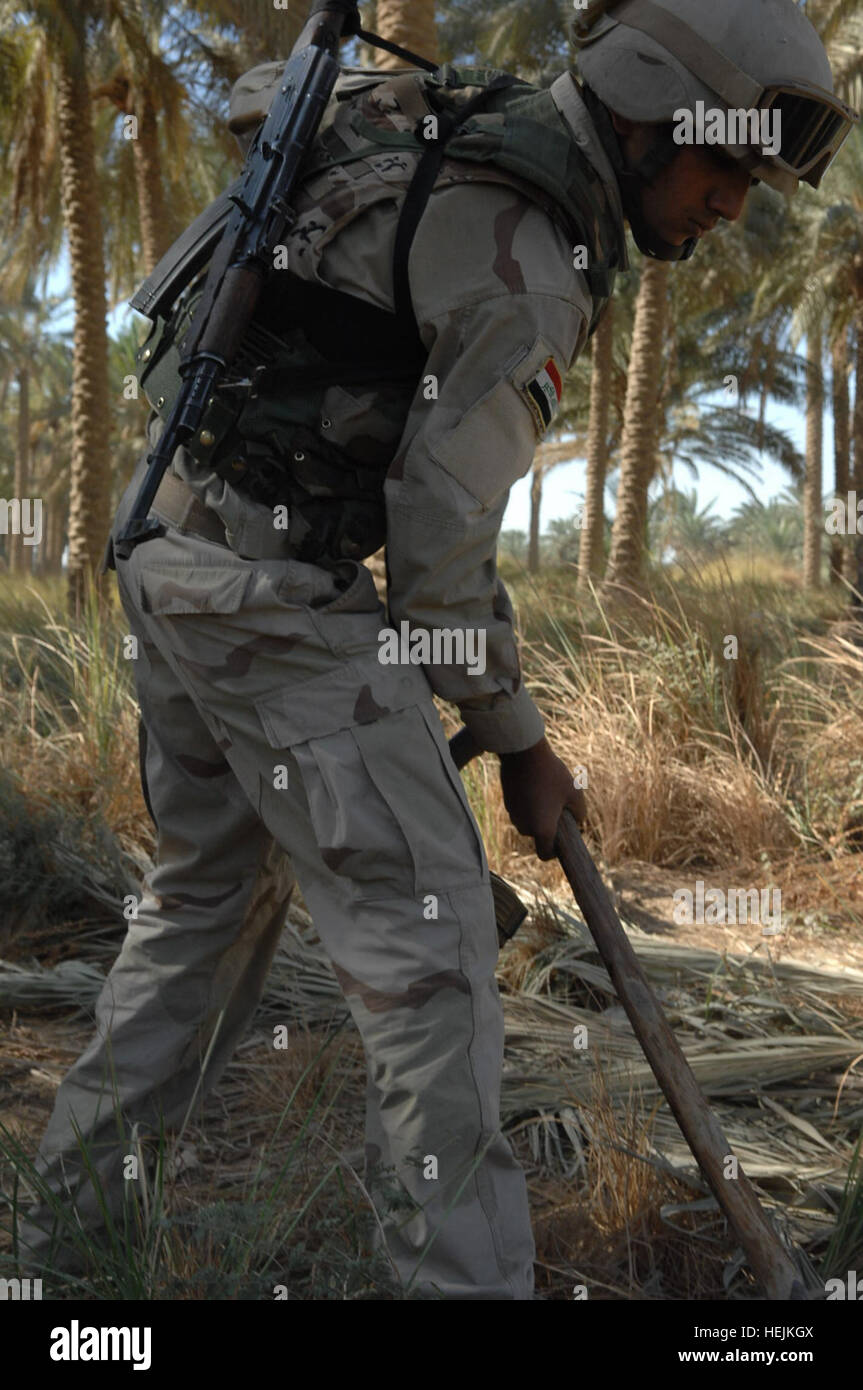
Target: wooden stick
{"type": "Point", "coordinates": [770, 1262]}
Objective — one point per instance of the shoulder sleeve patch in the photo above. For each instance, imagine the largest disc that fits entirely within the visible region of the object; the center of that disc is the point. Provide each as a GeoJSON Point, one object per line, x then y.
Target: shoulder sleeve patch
{"type": "Point", "coordinates": [538, 377]}
{"type": "Point", "coordinates": [542, 393]}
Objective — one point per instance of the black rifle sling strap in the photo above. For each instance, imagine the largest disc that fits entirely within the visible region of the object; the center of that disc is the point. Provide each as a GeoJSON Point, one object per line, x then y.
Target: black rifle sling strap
{"type": "Point", "coordinates": [420, 189]}
{"type": "Point", "coordinates": [352, 27]}
{"type": "Point", "coordinates": [412, 58]}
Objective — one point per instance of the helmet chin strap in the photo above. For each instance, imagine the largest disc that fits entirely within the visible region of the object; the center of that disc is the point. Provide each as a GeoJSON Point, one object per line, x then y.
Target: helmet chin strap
{"type": "Point", "coordinates": [633, 182]}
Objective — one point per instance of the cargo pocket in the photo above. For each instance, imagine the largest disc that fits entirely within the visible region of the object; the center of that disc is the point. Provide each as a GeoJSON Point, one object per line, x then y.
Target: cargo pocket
{"type": "Point", "coordinates": [170, 590]}
{"type": "Point", "coordinates": [194, 615]}
{"type": "Point", "coordinates": [383, 808]}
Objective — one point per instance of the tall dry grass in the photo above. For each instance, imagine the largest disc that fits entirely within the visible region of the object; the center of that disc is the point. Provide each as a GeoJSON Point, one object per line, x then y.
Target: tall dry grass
{"type": "Point", "coordinates": [694, 759]}
{"type": "Point", "coordinates": [74, 831]}
{"type": "Point", "coordinates": [68, 714]}
{"type": "Point", "coordinates": [700, 750]}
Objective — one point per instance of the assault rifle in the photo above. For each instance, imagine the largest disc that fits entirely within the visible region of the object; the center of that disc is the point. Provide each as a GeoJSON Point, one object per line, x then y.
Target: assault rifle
{"type": "Point", "coordinates": [255, 217]}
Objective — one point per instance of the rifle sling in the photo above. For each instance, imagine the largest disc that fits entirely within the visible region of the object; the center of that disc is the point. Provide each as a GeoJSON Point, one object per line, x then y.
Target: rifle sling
{"type": "Point", "coordinates": [420, 190]}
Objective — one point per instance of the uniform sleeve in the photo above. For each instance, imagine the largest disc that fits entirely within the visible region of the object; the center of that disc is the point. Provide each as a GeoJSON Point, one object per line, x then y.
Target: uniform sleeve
{"type": "Point", "coordinates": [504, 315]}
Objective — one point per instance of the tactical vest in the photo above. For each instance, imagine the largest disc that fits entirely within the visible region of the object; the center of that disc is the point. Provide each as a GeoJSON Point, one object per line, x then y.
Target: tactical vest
{"type": "Point", "coordinates": [509, 131]}
{"type": "Point", "coordinates": [264, 432]}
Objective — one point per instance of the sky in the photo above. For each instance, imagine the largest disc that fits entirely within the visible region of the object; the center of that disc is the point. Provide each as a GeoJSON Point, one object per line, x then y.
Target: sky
{"type": "Point", "coordinates": [563, 488]}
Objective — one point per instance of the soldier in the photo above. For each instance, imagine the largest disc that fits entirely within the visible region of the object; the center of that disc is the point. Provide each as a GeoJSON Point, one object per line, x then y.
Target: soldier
{"type": "Point", "coordinates": [397, 384]}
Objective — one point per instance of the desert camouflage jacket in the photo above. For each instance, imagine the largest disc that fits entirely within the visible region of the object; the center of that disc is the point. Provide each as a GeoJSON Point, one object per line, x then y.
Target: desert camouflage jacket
{"type": "Point", "coordinates": [503, 314]}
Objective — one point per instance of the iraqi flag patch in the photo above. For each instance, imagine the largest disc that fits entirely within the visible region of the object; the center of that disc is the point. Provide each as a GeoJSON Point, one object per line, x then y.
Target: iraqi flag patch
{"type": "Point", "coordinates": [542, 393]}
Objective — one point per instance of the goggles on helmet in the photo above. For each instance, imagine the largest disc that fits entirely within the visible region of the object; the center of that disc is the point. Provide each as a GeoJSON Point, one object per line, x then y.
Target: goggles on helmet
{"type": "Point", "coordinates": [814, 122]}
{"type": "Point", "coordinates": [815, 126]}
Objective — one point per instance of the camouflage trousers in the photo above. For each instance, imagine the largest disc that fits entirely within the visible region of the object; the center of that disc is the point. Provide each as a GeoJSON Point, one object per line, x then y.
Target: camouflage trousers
{"type": "Point", "coordinates": [272, 726]}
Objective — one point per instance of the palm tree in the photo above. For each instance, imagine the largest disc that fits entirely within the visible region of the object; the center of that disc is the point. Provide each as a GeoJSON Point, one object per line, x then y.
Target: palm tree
{"type": "Point", "coordinates": [52, 442]}
{"type": "Point", "coordinates": [46, 127]}
{"type": "Point", "coordinates": [172, 78]}
{"type": "Point", "coordinates": [27, 343]}
{"type": "Point", "coordinates": [676, 523]}
{"type": "Point", "coordinates": [640, 439]}
{"type": "Point", "coordinates": [514, 543]}
{"type": "Point", "coordinates": [31, 167]}
{"type": "Point", "coordinates": [67, 36]}
{"type": "Point", "coordinates": [774, 528]}
{"type": "Point", "coordinates": [148, 95]}
{"type": "Point", "coordinates": [227, 37]}
{"type": "Point", "coordinates": [16, 361]}
{"type": "Point", "coordinates": [548, 456]}
{"type": "Point", "coordinates": [718, 334]}
{"type": "Point", "coordinates": [829, 301]}
{"type": "Point", "coordinates": [833, 293]}
{"type": "Point", "coordinates": [813, 513]}
{"type": "Point", "coordinates": [564, 540]}
{"type": "Point", "coordinates": [527, 36]}
{"type": "Point", "coordinates": [591, 550]}
{"type": "Point", "coordinates": [857, 475]}
{"type": "Point", "coordinates": [840, 24]}
{"type": "Point", "coordinates": [90, 477]}
{"type": "Point", "coordinates": [410, 23]}
{"type": "Point", "coordinates": [835, 288]}
{"type": "Point", "coordinates": [841, 402]}
{"type": "Point", "coordinates": [799, 288]}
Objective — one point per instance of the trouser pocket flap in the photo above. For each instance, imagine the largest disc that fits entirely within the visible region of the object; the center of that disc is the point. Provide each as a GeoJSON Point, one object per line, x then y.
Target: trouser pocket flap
{"type": "Point", "coordinates": [358, 692]}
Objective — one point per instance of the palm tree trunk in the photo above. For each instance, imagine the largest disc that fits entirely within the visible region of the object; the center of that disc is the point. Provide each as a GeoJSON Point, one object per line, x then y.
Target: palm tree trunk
{"type": "Point", "coordinates": [158, 228]}
{"type": "Point", "coordinates": [856, 545]}
{"type": "Point", "coordinates": [640, 432]}
{"type": "Point", "coordinates": [840, 554]}
{"type": "Point", "coordinates": [22, 467]}
{"type": "Point", "coordinates": [813, 513]}
{"type": "Point", "coordinates": [535, 510]}
{"type": "Point", "coordinates": [410, 23]}
{"type": "Point", "coordinates": [90, 480]}
{"type": "Point", "coordinates": [766, 387]}
{"type": "Point", "coordinates": [55, 537]}
{"type": "Point", "coordinates": [47, 542]}
{"type": "Point", "coordinates": [593, 522]}
{"type": "Point", "coordinates": [55, 502]}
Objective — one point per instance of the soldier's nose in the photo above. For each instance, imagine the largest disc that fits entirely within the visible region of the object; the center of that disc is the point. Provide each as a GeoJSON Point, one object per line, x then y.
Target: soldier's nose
{"type": "Point", "coordinates": [727, 200]}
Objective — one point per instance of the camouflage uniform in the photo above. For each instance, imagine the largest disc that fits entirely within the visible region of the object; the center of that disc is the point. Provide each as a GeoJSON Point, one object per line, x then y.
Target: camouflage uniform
{"type": "Point", "coordinates": [256, 669]}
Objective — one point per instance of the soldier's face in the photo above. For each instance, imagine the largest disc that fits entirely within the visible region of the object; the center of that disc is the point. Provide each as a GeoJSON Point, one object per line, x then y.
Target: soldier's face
{"type": "Point", "coordinates": [690, 195]}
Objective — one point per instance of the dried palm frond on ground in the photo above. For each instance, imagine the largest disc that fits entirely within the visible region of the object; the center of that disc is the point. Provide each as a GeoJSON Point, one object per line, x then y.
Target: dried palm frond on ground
{"type": "Point", "coordinates": [773, 1044]}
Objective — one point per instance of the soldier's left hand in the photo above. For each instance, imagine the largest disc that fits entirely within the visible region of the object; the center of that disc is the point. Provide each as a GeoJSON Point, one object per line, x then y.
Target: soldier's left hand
{"type": "Point", "coordinates": [537, 787]}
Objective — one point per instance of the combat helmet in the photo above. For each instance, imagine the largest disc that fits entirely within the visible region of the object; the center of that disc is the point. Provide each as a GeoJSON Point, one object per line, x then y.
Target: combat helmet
{"type": "Point", "coordinates": [648, 61]}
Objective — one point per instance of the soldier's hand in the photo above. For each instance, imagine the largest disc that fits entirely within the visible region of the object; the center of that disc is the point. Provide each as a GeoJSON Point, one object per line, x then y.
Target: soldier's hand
{"type": "Point", "coordinates": [537, 787]}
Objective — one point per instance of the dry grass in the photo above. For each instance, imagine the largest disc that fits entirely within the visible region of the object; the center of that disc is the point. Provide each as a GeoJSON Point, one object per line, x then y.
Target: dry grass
{"type": "Point", "coordinates": [612, 1234]}
{"type": "Point", "coordinates": [68, 713]}
{"type": "Point", "coordinates": [694, 759]}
